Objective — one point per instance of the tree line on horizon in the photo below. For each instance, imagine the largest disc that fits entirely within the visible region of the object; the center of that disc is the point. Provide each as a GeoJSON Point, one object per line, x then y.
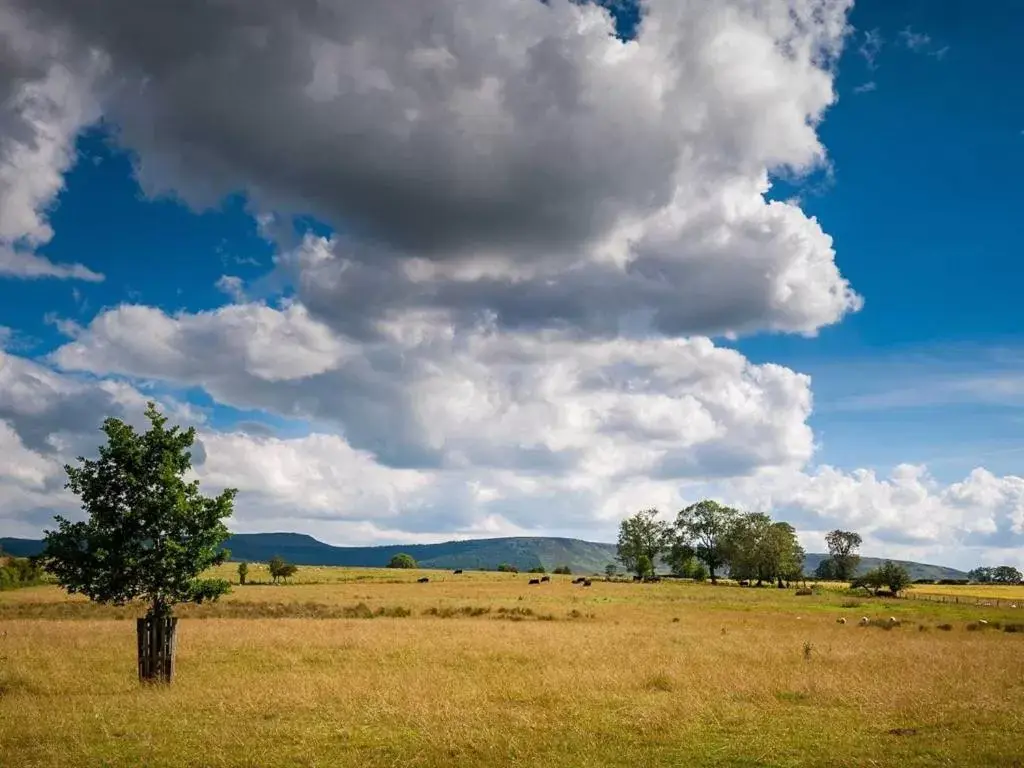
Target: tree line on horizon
{"type": "Point", "coordinates": [708, 537]}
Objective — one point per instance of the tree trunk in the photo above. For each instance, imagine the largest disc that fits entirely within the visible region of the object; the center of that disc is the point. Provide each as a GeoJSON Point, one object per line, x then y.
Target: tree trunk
{"type": "Point", "coordinates": [156, 639]}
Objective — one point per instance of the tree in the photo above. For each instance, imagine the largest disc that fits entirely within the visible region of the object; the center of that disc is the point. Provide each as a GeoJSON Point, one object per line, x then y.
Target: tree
{"type": "Point", "coordinates": [538, 569]}
{"type": "Point", "coordinates": [243, 571]}
{"type": "Point", "coordinates": [981, 575]}
{"type": "Point", "coordinates": [825, 570]}
{"type": "Point", "coordinates": [506, 568]}
{"type": "Point", "coordinates": [758, 548]}
{"type": "Point", "coordinates": [402, 560]}
{"type": "Point", "coordinates": [842, 550]}
{"type": "Point", "coordinates": [279, 569]}
{"type": "Point", "coordinates": [149, 535]}
{"type": "Point", "coordinates": [642, 538]}
{"type": "Point", "coordinates": [888, 574]}
{"type": "Point", "coordinates": [1006, 574]}
{"type": "Point", "coordinates": [610, 570]}
{"type": "Point", "coordinates": [705, 527]}
{"type": "Point", "coordinates": [563, 570]}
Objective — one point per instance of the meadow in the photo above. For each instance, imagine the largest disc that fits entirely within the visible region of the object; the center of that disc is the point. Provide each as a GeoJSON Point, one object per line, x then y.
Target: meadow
{"type": "Point", "coordinates": [362, 667]}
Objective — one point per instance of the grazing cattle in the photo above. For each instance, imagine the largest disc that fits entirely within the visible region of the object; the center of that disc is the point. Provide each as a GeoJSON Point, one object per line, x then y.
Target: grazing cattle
{"type": "Point", "coordinates": [580, 580]}
{"type": "Point", "coordinates": [744, 583]}
{"type": "Point", "coordinates": [638, 578]}
{"type": "Point", "coordinates": [864, 621]}
{"type": "Point", "coordinates": [841, 620]}
{"type": "Point", "coordinates": [535, 581]}
{"type": "Point", "coordinates": [586, 582]}
{"type": "Point", "coordinates": [545, 578]}
{"type": "Point", "coordinates": [457, 571]}
{"type": "Point", "coordinates": [424, 580]}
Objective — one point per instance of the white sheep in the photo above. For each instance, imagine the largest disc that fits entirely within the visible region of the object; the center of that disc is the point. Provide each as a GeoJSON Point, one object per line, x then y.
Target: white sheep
{"type": "Point", "coordinates": [841, 620]}
{"type": "Point", "coordinates": [983, 622]}
{"type": "Point", "coordinates": [892, 621]}
{"type": "Point", "coordinates": [864, 621]}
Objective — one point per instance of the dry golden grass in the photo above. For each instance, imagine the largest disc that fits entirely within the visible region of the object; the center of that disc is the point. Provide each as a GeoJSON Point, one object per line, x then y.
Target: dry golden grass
{"type": "Point", "coordinates": [999, 591]}
{"type": "Point", "coordinates": [614, 675]}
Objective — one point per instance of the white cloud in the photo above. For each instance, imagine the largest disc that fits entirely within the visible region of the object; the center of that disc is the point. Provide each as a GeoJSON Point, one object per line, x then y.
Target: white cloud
{"type": "Point", "coordinates": [519, 155]}
{"type": "Point", "coordinates": [45, 99]}
{"type": "Point", "coordinates": [867, 87]}
{"type": "Point", "coordinates": [429, 393]}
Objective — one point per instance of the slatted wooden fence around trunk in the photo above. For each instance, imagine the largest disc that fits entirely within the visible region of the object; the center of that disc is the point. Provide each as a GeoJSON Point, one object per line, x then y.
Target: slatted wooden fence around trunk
{"type": "Point", "coordinates": [156, 637]}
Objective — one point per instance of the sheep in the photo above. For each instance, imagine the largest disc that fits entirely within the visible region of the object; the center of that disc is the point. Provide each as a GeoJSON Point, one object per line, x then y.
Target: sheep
{"type": "Point", "coordinates": [983, 622]}
{"type": "Point", "coordinates": [892, 621]}
{"type": "Point", "coordinates": [841, 620]}
{"type": "Point", "coordinates": [864, 621]}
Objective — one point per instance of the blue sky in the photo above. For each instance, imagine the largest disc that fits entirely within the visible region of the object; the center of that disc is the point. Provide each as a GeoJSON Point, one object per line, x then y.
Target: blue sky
{"type": "Point", "coordinates": [925, 147]}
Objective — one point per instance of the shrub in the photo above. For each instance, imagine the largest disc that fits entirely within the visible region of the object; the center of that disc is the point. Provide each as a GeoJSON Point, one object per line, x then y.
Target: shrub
{"type": "Point", "coordinates": [804, 592]}
{"type": "Point", "coordinates": [563, 570]}
{"type": "Point", "coordinates": [945, 627]}
{"type": "Point", "coordinates": [850, 604]}
{"type": "Point", "coordinates": [538, 569]}
{"type": "Point", "coordinates": [1013, 628]}
{"type": "Point", "coordinates": [402, 560]}
{"type": "Point", "coordinates": [506, 568]}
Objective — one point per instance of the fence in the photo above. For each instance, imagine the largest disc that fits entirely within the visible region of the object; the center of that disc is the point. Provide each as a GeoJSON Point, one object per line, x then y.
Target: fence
{"type": "Point", "coordinates": [988, 602]}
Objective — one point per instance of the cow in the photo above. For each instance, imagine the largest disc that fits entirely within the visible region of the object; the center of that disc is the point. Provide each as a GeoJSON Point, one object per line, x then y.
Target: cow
{"type": "Point", "coordinates": [586, 582]}
{"type": "Point", "coordinates": [423, 580]}
{"type": "Point", "coordinates": [545, 578]}
{"type": "Point", "coordinates": [457, 571]}
{"type": "Point", "coordinates": [638, 578]}
{"type": "Point", "coordinates": [535, 581]}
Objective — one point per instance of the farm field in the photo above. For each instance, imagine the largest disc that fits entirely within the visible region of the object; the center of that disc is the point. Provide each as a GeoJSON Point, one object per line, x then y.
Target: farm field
{"type": "Point", "coordinates": [982, 591]}
{"type": "Point", "coordinates": [361, 667]}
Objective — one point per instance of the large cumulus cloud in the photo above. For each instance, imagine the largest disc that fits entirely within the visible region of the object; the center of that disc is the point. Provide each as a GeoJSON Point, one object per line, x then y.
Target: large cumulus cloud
{"type": "Point", "coordinates": [510, 156]}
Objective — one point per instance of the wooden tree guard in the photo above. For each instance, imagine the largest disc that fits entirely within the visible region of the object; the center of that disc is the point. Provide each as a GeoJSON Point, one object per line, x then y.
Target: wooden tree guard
{"type": "Point", "coordinates": [156, 638]}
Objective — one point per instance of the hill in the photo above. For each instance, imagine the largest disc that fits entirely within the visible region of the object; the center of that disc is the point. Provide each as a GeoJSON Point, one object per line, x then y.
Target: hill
{"type": "Point", "coordinates": [523, 552]}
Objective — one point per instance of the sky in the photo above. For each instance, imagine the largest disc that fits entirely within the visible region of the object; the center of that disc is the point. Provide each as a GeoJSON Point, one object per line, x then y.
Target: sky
{"type": "Point", "coordinates": [419, 272]}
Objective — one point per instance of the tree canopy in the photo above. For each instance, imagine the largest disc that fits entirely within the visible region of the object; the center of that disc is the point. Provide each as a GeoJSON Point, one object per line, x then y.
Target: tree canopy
{"type": "Point", "coordinates": [149, 534]}
{"type": "Point", "coordinates": [842, 550]}
{"type": "Point", "coordinates": [704, 528]}
{"type": "Point", "coordinates": [402, 560]}
{"type": "Point", "coordinates": [642, 539]}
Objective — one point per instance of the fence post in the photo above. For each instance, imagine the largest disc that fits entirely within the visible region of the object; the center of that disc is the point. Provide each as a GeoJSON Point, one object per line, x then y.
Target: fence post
{"type": "Point", "coordinates": [156, 645]}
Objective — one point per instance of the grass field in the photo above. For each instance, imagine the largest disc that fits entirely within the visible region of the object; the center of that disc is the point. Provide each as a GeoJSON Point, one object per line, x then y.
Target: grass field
{"type": "Point", "coordinates": [986, 591]}
{"type": "Point", "coordinates": [361, 667]}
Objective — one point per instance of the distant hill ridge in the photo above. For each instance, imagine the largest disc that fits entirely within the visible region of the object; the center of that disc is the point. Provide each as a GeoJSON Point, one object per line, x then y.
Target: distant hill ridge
{"type": "Point", "coordinates": [524, 552]}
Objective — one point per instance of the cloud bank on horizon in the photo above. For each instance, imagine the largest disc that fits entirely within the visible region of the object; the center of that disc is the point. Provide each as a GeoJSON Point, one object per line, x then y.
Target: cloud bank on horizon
{"type": "Point", "coordinates": [532, 231]}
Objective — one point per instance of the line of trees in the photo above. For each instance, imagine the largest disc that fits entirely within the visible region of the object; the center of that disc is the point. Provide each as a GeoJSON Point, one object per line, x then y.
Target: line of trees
{"type": "Point", "coordinates": [1001, 574]}
{"type": "Point", "coordinates": [707, 538]}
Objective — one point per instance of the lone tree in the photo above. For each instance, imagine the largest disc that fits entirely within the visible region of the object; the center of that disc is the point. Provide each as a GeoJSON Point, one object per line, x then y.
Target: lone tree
{"type": "Point", "coordinates": [642, 538]}
{"type": "Point", "coordinates": [842, 551]}
{"type": "Point", "coordinates": [243, 571]}
{"type": "Point", "coordinates": [402, 560]}
{"type": "Point", "coordinates": [149, 534]}
{"type": "Point", "coordinates": [279, 569]}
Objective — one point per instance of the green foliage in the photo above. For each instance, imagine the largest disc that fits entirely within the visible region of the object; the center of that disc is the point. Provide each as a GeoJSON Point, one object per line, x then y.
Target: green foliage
{"type": "Point", "coordinates": [704, 528]}
{"type": "Point", "coordinates": [692, 568]}
{"type": "Point", "coordinates": [842, 550]}
{"type": "Point", "coordinates": [243, 572]}
{"type": "Point", "coordinates": [889, 574]}
{"type": "Point", "coordinates": [279, 569]}
{"type": "Point", "coordinates": [826, 570]}
{"type": "Point", "coordinates": [149, 534]}
{"type": "Point", "coordinates": [1003, 574]}
{"type": "Point", "coordinates": [642, 538]}
{"type": "Point", "coordinates": [506, 568]}
{"type": "Point", "coordinates": [538, 569]}
{"type": "Point", "coordinates": [563, 570]}
{"type": "Point", "coordinates": [402, 560]}
{"type": "Point", "coordinates": [18, 572]}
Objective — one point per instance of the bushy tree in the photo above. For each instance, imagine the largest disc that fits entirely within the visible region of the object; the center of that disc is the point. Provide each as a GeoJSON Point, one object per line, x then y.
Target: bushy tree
{"type": "Point", "coordinates": [563, 570]}
{"type": "Point", "coordinates": [538, 569]}
{"type": "Point", "coordinates": [888, 574]}
{"type": "Point", "coordinates": [1006, 574]}
{"type": "Point", "coordinates": [280, 569]}
{"type": "Point", "coordinates": [759, 549]}
{"type": "Point", "coordinates": [705, 528]}
{"type": "Point", "coordinates": [506, 568]}
{"type": "Point", "coordinates": [149, 534]}
{"type": "Point", "coordinates": [842, 550]}
{"type": "Point", "coordinates": [642, 538]}
{"type": "Point", "coordinates": [402, 560]}
{"type": "Point", "coordinates": [243, 572]}
{"type": "Point", "coordinates": [826, 570]}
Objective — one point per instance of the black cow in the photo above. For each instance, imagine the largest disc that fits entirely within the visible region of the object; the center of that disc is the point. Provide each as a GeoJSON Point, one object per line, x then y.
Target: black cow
{"type": "Point", "coordinates": [638, 578]}
{"type": "Point", "coordinates": [423, 580]}
{"type": "Point", "coordinates": [457, 570]}
{"type": "Point", "coordinates": [586, 582]}
{"type": "Point", "coordinates": [545, 578]}
{"type": "Point", "coordinates": [535, 581]}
